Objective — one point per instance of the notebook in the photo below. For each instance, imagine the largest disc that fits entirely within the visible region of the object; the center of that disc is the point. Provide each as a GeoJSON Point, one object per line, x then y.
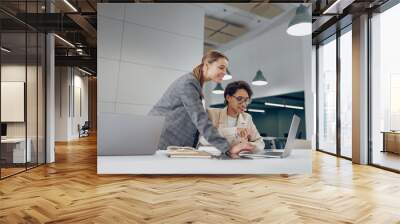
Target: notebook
{"type": "Point", "coordinates": [186, 152]}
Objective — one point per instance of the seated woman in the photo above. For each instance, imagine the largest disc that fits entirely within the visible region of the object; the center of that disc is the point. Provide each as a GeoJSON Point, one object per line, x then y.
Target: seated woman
{"type": "Point", "coordinates": [233, 118]}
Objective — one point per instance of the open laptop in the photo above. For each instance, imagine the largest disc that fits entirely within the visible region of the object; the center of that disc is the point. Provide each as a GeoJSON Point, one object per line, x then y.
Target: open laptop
{"type": "Point", "coordinates": [288, 146]}
{"type": "Point", "coordinates": [128, 135]}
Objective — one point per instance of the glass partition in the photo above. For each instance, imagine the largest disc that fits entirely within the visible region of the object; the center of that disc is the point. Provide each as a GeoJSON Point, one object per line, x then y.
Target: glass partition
{"type": "Point", "coordinates": [41, 97]}
{"type": "Point", "coordinates": [327, 95]}
{"type": "Point", "coordinates": [385, 89]}
{"type": "Point", "coordinates": [13, 91]}
{"type": "Point", "coordinates": [346, 93]}
{"type": "Point", "coordinates": [22, 88]}
{"type": "Point", "coordinates": [31, 99]}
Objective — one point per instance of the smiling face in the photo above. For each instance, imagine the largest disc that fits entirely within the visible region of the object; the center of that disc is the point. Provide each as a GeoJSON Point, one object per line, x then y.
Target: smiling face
{"type": "Point", "coordinates": [216, 70]}
{"type": "Point", "coordinates": [238, 101]}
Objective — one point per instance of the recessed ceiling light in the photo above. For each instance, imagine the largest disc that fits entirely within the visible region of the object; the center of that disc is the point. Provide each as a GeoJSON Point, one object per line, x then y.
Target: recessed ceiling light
{"type": "Point", "coordinates": [256, 110]}
{"type": "Point", "coordinates": [284, 105]}
{"type": "Point", "coordinates": [294, 107]}
{"type": "Point", "coordinates": [274, 104]}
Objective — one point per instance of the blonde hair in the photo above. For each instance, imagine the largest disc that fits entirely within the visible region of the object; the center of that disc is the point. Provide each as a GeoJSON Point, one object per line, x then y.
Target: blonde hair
{"type": "Point", "coordinates": [210, 57]}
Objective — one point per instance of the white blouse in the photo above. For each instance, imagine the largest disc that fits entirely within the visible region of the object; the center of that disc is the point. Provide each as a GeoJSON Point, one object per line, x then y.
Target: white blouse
{"type": "Point", "coordinates": [231, 122]}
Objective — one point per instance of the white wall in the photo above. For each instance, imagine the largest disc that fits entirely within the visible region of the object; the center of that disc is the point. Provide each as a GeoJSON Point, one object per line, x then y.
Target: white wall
{"type": "Point", "coordinates": [33, 126]}
{"type": "Point", "coordinates": [142, 49]}
{"type": "Point", "coordinates": [62, 80]}
{"type": "Point", "coordinates": [19, 73]}
{"type": "Point", "coordinates": [285, 61]}
{"type": "Point", "coordinates": [80, 109]}
{"type": "Point", "coordinates": [67, 82]}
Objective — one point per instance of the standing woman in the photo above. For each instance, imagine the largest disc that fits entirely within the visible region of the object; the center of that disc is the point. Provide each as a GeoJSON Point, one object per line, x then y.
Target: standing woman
{"type": "Point", "coordinates": [185, 116]}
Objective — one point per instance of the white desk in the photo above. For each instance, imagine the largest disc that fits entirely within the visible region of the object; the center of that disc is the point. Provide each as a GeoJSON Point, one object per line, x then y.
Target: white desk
{"type": "Point", "coordinates": [18, 153]}
{"type": "Point", "coordinates": [299, 162]}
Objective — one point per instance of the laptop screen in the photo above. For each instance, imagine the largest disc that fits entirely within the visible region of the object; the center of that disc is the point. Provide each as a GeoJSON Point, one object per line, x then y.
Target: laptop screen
{"type": "Point", "coordinates": [294, 126]}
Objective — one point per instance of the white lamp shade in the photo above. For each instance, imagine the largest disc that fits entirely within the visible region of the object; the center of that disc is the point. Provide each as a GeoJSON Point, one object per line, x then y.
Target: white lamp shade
{"type": "Point", "coordinates": [227, 77]}
{"type": "Point", "coordinates": [259, 83]}
{"type": "Point", "coordinates": [218, 89]}
{"type": "Point", "coordinates": [301, 24]}
{"type": "Point", "coordinates": [300, 29]}
{"type": "Point", "coordinates": [259, 79]}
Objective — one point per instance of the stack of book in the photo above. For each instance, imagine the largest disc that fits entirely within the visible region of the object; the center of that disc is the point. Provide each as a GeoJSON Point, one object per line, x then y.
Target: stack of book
{"type": "Point", "coordinates": [186, 152]}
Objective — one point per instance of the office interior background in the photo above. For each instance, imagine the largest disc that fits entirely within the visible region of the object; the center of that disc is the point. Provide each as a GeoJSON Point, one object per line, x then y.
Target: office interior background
{"type": "Point", "coordinates": [49, 82]}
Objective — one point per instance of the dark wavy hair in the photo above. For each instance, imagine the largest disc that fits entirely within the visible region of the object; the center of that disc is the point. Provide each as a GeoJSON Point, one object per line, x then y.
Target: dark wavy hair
{"type": "Point", "coordinates": [232, 87]}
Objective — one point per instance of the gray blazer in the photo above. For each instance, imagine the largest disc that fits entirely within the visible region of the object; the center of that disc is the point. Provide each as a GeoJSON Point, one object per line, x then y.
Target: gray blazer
{"type": "Point", "coordinates": [185, 115]}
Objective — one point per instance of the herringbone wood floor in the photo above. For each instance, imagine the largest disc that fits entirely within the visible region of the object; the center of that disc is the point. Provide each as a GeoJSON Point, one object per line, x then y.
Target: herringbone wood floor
{"type": "Point", "coordinates": [70, 191]}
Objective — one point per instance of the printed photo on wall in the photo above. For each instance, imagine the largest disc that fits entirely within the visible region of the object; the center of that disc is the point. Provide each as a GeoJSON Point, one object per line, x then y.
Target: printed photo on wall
{"type": "Point", "coordinates": [205, 88]}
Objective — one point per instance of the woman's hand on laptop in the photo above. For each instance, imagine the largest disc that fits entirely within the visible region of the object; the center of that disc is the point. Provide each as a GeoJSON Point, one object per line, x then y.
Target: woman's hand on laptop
{"type": "Point", "coordinates": [245, 146]}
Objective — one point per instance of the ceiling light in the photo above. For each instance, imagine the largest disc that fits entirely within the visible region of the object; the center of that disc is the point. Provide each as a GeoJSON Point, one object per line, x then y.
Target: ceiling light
{"type": "Point", "coordinates": [284, 105]}
{"type": "Point", "coordinates": [300, 25]}
{"type": "Point", "coordinates": [259, 79]}
{"type": "Point", "coordinates": [218, 89]}
{"type": "Point", "coordinates": [64, 40]}
{"type": "Point", "coordinates": [84, 71]}
{"type": "Point", "coordinates": [5, 50]}
{"type": "Point", "coordinates": [256, 110]}
{"type": "Point", "coordinates": [331, 7]}
{"type": "Point", "coordinates": [294, 107]}
{"type": "Point", "coordinates": [70, 5]}
{"type": "Point", "coordinates": [228, 75]}
{"type": "Point", "coordinates": [274, 104]}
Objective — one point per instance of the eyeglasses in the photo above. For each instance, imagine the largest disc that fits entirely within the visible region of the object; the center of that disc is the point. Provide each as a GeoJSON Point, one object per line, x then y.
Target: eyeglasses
{"type": "Point", "coordinates": [242, 99]}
